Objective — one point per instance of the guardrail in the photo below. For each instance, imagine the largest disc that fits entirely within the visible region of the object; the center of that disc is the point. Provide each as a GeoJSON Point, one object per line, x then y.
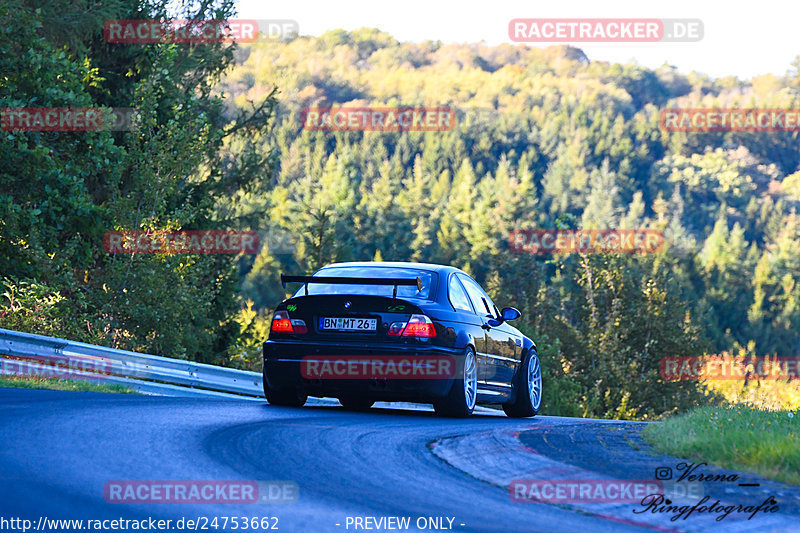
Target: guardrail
{"type": "Point", "coordinates": [29, 354]}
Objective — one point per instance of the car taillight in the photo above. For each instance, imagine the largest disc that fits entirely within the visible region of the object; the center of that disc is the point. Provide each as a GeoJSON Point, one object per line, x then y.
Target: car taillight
{"type": "Point", "coordinates": [396, 329]}
{"type": "Point", "coordinates": [417, 326]}
{"type": "Point", "coordinates": [298, 326]}
{"type": "Point", "coordinates": [282, 324]}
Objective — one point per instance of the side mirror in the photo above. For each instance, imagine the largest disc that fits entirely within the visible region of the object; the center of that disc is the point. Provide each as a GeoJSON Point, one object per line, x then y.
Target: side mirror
{"type": "Point", "coordinates": [508, 313]}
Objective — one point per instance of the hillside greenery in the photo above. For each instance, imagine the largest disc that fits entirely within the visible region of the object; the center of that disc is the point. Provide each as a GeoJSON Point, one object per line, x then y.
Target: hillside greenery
{"type": "Point", "coordinates": [545, 138]}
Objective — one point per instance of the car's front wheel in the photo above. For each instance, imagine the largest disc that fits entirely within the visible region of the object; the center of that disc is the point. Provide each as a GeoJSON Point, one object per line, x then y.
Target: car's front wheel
{"type": "Point", "coordinates": [461, 399]}
{"type": "Point", "coordinates": [285, 397]}
{"type": "Point", "coordinates": [528, 397]}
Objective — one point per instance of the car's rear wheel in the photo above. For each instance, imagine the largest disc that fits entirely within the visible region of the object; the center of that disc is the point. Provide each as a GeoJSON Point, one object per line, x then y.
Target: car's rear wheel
{"type": "Point", "coordinates": [356, 404]}
{"type": "Point", "coordinates": [528, 384]}
{"type": "Point", "coordinates": [461, 399]}
{"type": "Point", "coordinates": [284, 397]}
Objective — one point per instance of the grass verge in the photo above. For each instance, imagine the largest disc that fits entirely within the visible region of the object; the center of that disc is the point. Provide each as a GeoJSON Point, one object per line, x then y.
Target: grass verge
{"type": "Point", "coordinates": [741, 438]}
{"type": "Point", "coordinates": [61, 384]}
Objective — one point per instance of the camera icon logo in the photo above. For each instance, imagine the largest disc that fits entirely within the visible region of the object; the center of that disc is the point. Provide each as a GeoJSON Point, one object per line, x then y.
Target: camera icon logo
{"type": "Point", "coordinates": [663, 473]}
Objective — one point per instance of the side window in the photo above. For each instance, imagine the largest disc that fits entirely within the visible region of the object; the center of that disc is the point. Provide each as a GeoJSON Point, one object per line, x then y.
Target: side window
{"type": "Point", "coordinates": [479, 298]}
{"type": "Point", "coordinates": [457, 295]}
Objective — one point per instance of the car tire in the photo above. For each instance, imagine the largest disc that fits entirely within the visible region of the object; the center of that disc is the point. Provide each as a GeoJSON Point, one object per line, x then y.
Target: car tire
{"type": "Point", "coordinates": [460, 401]}
{"type": "Point", "coordinates": [528, 388]}
{"type": "Point", "coordinates": [356, 404]}
{"type": "Point", "coordinates": [284, 397]}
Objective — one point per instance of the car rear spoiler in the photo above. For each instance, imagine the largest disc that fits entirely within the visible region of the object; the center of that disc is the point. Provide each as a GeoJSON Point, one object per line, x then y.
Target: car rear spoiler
{"type": "Point", "coordinates": [411, 282]}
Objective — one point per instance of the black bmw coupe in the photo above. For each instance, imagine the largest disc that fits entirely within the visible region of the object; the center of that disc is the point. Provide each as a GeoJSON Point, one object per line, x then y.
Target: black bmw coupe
{"type": "Point", "coordinates": [363, 332]}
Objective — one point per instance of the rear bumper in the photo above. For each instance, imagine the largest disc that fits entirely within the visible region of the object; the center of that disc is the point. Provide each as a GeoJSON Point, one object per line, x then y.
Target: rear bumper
{"type": "Point", "coordinates": [283, 367]}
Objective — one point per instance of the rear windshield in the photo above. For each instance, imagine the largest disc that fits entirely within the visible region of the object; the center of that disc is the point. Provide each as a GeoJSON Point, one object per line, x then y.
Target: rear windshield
{"type": "Point", "coordinates": [403, 291]}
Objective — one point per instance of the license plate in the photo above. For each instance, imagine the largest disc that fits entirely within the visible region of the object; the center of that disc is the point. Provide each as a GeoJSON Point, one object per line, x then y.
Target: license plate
{"type": "Point", "coordinates": [348, 324]}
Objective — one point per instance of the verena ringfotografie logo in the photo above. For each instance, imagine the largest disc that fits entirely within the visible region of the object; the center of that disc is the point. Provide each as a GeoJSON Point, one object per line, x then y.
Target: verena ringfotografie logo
{"type": "Point", "coordinates": [582, 490]}
{"type": "Point", "coordinates": [55, 367]}
{"type": "Point", "coordinates": [181, 242]}
{"type": "Point", "coordinates": [751, 120]}
{"type": "Point", "coordinates": [659, 504]}
{"type": "Point", "coordinates": [184, 31]}
{"type": "Point", "coordinates": [547, 241]}
{"type": "Point", "coordinates": [68, 119]}
{"type": "Point", "coordinates": [693, 476]}
{"type": "Point", "coordinates": [202, 492]}
{"type": "Point", "coordinates": [610, 30]}
{"type": "Point", "coordinates": [378, 118]}
{"type": "Point", "coordinates": [376, 367]}
{"type": "Point", "coordinates": [724, 367]}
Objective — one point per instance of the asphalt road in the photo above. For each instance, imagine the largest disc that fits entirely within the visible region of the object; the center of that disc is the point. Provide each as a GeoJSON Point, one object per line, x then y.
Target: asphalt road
{"type": "Point", "coordinates": [59, 450]}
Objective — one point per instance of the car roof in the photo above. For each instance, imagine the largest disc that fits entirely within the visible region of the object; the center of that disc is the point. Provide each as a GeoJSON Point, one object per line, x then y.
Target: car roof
{"type": "Point", "coordinates": [399, 264]}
